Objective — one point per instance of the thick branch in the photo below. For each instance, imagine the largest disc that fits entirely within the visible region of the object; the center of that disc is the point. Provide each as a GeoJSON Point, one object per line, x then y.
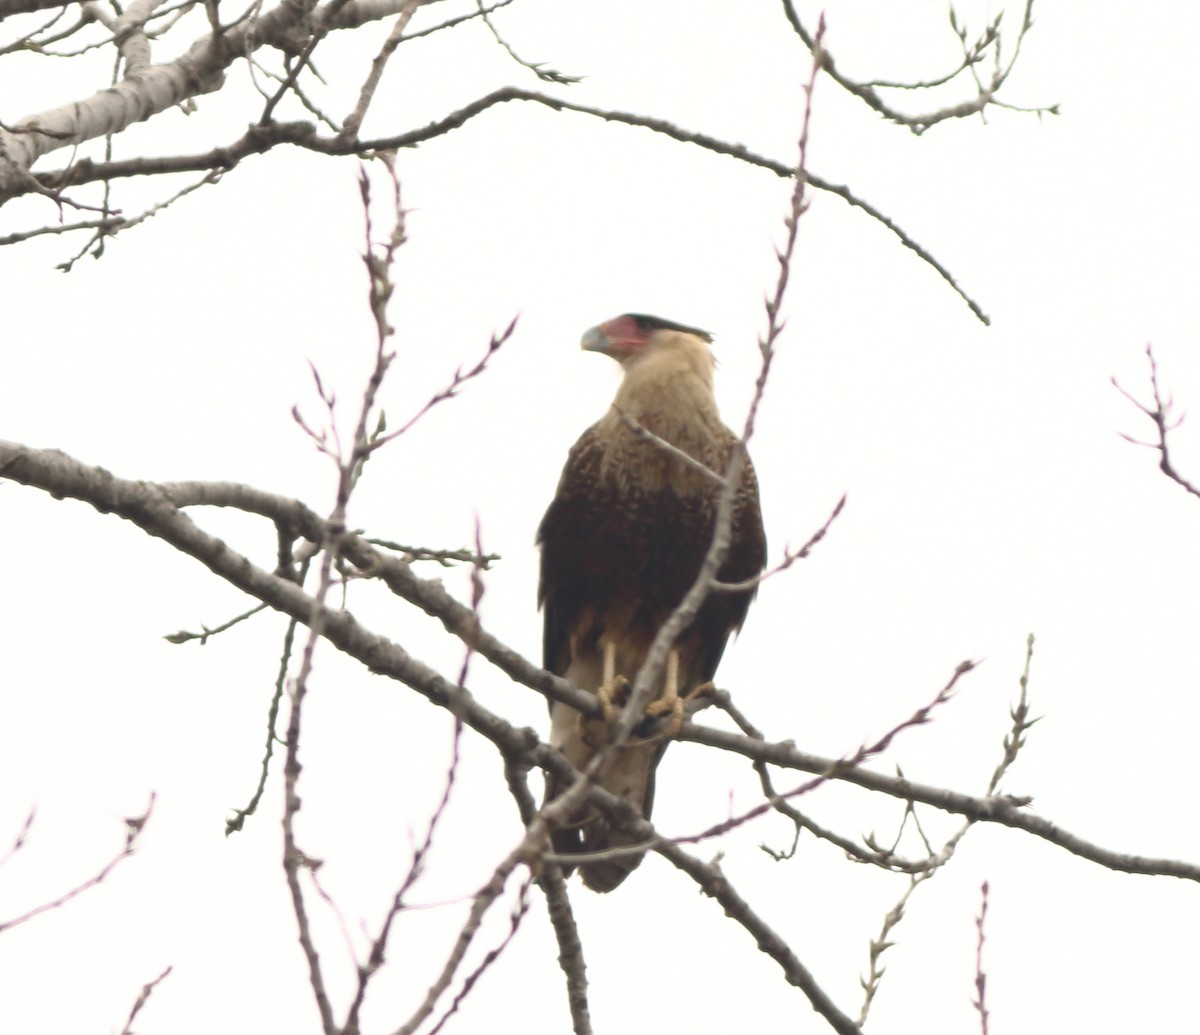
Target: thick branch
{"type": "Point", "coordinates": [713, 884]}
{"type": "Point", "coordinates": [994, 809]}
{"type": "Point", "coordinates": [147, 91]}
{"type": "Point", "coordinates": [261, 138]}
{"type": "Point", "coordinates": [155, 508]}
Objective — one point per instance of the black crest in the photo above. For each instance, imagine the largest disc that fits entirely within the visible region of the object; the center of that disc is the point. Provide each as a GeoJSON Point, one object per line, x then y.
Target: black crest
{"type": "Point", "coordinates": [657, 323]}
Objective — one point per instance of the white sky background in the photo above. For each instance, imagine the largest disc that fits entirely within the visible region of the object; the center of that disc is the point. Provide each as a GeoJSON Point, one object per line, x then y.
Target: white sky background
{"type": "Point", "coordinates": [989, 496]}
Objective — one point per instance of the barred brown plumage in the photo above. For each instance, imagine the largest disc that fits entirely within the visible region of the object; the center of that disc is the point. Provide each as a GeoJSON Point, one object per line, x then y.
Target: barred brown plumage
{"type": "Point", "coordinates": [622, 543]}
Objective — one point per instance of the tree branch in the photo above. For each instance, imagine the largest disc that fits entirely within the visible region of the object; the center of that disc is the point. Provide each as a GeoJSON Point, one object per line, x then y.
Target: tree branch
{"type": "Point", "coordinates": [261, 138]}
{"type": "Point", "coordinates": [1164, 422]}
{"type": "Point", "coordinates": [134, 826]}
{"type": "Point", "coordinates": [157, 510]}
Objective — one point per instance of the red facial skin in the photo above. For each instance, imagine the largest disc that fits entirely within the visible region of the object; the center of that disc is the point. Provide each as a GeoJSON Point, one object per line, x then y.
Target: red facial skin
{"type": "Point", "coordinates": [623, 338]}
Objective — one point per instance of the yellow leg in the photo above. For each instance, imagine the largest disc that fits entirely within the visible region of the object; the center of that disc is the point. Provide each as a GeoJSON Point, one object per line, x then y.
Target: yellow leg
{"type": "Point", "coordinates": [612, 684]}
{"type": "Point", "coordinates": [670, 703]}
{"type": "Point", "coordinates": [609, 692]}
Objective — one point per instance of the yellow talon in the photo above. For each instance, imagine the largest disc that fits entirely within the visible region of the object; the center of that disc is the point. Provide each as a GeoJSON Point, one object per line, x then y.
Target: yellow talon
{"type": "Point", "coordinates": [670, 703]}
{"type": "Point", "coordinates": [613, 687]}
{"type": "Point", "coordinates": [609, 693]}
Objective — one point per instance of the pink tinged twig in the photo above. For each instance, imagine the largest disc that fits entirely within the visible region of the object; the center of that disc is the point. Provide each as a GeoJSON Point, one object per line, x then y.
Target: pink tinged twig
{"type": "Point", "coordinates": [21, 838]}
{"type": "Point", "coordinates": [515, 917]}
{"type": "Point", "coordinates": [134, 826]}
{"type": "Point", "coordinates": [980, 1000]}
{"type": "Point", "coordinates": [142, 999]}
{"type": "Point", "coordinates": [1164, 424]}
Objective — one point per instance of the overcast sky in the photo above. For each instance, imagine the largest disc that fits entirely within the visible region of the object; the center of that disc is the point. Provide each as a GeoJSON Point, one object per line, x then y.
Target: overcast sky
{"type": "Point", "coordinates": [989, 496]}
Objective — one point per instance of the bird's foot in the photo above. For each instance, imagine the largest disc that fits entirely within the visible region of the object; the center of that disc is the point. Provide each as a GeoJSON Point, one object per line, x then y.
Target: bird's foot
{"type": "Point", "coordinates": [611, 696]}
{"type": "Point", "coordinates": [675, 707]}
{"type": "Point", "coordinates": [703, 690]}
{"type": "Point", "coordinates": [671, 705]}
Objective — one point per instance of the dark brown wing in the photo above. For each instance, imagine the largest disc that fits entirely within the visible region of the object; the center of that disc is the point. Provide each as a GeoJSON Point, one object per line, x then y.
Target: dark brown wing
{"type": "Point", "coordinates": [571, 568]}
{"type": "Point", "coordinates": [626, 552]}
{"type": "Point", "coordinates": [703, 642]}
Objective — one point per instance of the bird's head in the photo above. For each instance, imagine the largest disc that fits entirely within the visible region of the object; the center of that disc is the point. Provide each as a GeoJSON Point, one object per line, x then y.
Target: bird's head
{"type": "Point", "coordinates": [634, 335]}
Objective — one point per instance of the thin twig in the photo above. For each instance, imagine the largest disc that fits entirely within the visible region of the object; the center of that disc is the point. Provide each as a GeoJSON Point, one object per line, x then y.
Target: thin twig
{"type": "Point", "coordinates": [22, 837]}
{"type": "Point", "coordinates": [980, 1000]}
{"type": "Point", "coordinates": [133, 828]}
{"type": "Point", "coordinates": [268, 134]}
{"type": "Point", "coordinates": [142, 999]}
{"type": "Point", "coordinates": [450, 23]}
{"type": "Point", "coordinates": [973, 54]}
{"type": "Point", "coordinates": [183, 636]}
{"type": "Point", "coordinates": [349, 469]}
{"type": "Point", "coordinates": [864, 753]}
{"type": "Point", "coordinates": [558, 905]}
{"type": "Point", "coordinates": [790, 557]}
{"type": "Point", "coordinates": [1164, 423]}
{"type": "Point", "coordinates": [238, 819]}
{"type": "Point", "coordinates": [515, 918]}
{"type": "Point", "coordinates": [354, 120]}
{"type": "Point", "coordinates": [644, 434]}
{"type": "Point", "coordinates": [546, 75]}
{"type": "Point", "coordinates": [378, 951]}
{"type": "Point", "coordinates": [451, 390]}
{"type": "Point", "coordinates": [446, 558]}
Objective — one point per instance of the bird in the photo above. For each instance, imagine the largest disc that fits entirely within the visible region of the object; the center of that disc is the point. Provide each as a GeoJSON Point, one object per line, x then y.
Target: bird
{"type": "Point", "coordinates": [621, 543]}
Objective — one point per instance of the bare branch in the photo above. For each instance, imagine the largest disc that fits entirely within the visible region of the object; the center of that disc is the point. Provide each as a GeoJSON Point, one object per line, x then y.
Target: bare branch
{"type": "Point", "coordinates": [980, 1000]}
{"type": "Point", "coordinates": [450, 23]}
{"type": "Point", "coordinates": [21, 839]}
{"type": "Point", "coordinates": [864, 753]}
{"type": "Point", "coordinates": [515, 918]}
{"type": "Point", "coordinates": [570, 948]}
{"type": "Point", "coordinates": [262, 137]}
{"type": "Point", "coordinates": [689, 461]}
{"type": "Point", "coordinates": [158, 510]}
{"type": "Point", "coordinates": [1013, 742]}
{"type": "Point", "coordinates": [130, 34]}
{"type": "Point", "coordinates": [886, 859]}
{"type": "Point", "coordinates": [446, 558]}
{"type": "Point", "coordinates": [451, 390]}
{"type": "Point", "coordinates": [1164, 423]}
{"type": "Point", "coordinates": [713, 884]}
{"type": "Point", "coordinates": [685, 612]}
{"type": "Point", "coordinates": [881, 943]}
{"type": "Point", "coordinates": [558, 905]}
{"type": "Point", "coordinates": [354, 120]}
{"type": "Point", "coordinates": [134, 826]}
{"type": "Point", "coordinates": [378, 951]}
{"type": "Point", "coordinates": [790, 556]}
{"type": "Point", "coordinates": [238, 819]}
{"type": "Point", "coordinates": [525, 853]}
{"type": "Point", "coordinates": [114, 222]}
{"type": "Point", "coordinates": [183, 636]}
{"type": "Point", "coordinates": [349, 468]}
{"type": "Point", "coordinates": [142, 999]}
{"type": "Point", "coordinates": [973, 54]}
{"type": "Point", "coordinates": [546, 75]}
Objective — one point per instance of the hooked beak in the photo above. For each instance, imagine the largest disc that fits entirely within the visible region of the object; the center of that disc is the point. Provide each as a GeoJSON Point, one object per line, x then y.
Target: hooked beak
{"type": "Point", "coordinates": [595, 340]}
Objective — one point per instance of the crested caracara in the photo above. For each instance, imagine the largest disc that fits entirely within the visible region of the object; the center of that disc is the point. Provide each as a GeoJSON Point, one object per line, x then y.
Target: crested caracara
{"type": "Point", "coordinates": [622, 543]}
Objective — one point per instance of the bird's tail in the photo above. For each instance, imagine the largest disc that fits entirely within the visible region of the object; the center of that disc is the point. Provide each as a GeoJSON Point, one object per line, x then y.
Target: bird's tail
{"type": "Point", "coordinates": [629, 774]}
